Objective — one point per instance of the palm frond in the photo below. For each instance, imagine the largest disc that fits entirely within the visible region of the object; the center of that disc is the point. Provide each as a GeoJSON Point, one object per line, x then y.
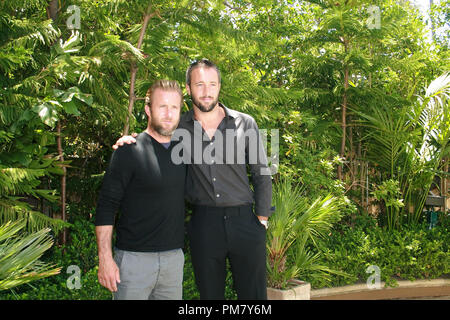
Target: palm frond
{"type": "Point", "coordinates": [294, 225]}
{"type": "Point", "coordinates": [388, 137]}
{"type": "Point", "coordinates": [12, 209]}
{"type": "Point", "coordinates": [16, 183]}
{"type": "Point", "coordinates": [19, 180]}
{"type": "Point", "coordinates": [19, 255]}
{"type": "Point", "coordinates": [319, 218]}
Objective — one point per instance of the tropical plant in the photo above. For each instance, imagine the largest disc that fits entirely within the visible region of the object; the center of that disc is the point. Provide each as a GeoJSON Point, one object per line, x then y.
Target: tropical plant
{"type": "Point", "coordinates": [409, 144]}
{"type": "Point", "coordinates": [389, 193]}
{"type": "Point", "coordinates": [19, 254]}
{"type": "Point", "coordinates": [288, 202]}
{"type": "Point", "coordinates": [16, 184]}
{"type": "Point", "coordinates": [295, 225]}
{"type": "Point", "coordinates": [431, 115]}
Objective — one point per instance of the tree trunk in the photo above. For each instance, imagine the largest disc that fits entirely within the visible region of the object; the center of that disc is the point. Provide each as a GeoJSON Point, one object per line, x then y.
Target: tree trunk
{"type": "Point", "coordinates": [361, 172]}
{"type": "Point", "coordinates": [134, 69]}
{"type": "Point", "coordinates": [52, 10]}
{"type": "Point", "coordinates": [63, 182]}
{"type": "Point", "coordinates": [433, 31]}
{"type": "Point", "coordinates": [52, 13]}
{"type": "Point", "coordinates": [344, 110]}
{"type": "Point", "coordinates": [344, 122]}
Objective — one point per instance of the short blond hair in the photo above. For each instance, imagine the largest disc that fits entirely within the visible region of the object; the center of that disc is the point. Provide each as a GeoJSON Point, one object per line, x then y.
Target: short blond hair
{"type": "Point", "coordinates": [166, 85]}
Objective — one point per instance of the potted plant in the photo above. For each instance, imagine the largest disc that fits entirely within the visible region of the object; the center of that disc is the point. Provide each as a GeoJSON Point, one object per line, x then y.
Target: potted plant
{"type": "Point", "coordinates": [293, 227]}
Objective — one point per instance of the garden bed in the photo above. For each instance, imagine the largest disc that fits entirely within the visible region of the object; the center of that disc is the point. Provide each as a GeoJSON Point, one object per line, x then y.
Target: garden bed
{"type": "Point", "coordinates": [405, 290]}
{"type": "Point", "coordinates": [413, 253]}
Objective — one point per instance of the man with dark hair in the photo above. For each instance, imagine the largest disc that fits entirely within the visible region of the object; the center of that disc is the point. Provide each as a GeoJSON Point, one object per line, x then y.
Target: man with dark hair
{"type": "Point", "coordinates": [204, 63]}
{"type": "Point", "coordinates": [224, 224]}
{"type": "Point", "coordinates": [148, 189]}
{"type": "Point", "coordinates": [229, 219]}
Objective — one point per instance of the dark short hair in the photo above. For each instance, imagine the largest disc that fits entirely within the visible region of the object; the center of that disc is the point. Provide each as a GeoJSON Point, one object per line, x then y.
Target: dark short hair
{"type": "Point", "coordinates": [203, 63]}
{"type": "Point", "coordinates": [166, 85]}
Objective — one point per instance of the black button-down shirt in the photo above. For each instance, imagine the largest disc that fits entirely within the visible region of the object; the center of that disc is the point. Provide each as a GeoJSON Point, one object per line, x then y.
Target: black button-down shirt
{"type": "Point", "coordinates": [217, 174]}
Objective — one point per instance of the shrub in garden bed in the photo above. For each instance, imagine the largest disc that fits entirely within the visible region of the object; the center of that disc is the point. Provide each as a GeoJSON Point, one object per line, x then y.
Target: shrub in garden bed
{"type": "Point", "coordinates": [411, 253]}
{"type": "Point", "coordinates": [81, 252]}
{"type": "Point", "coordinates": [78, 277]}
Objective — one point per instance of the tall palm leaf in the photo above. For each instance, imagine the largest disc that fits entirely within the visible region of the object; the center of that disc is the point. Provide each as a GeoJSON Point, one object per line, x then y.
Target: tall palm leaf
{"type": "Point", "coordinates": [16, 183]}
{"type": "Point", "coordinates": [431, 114]}
{"type": "Point", "coordinates": [19, 254]}
{"type": "Point", "coordinates": [288, 202]}
{"type": "Point", "coordinates": [318, 218]}
{"type": "Point", "coordinates": [294, 225]}
{"type": "Point", "coordinates": [388, 137]}
{"type": "Point", "coordinates": [409, 144]}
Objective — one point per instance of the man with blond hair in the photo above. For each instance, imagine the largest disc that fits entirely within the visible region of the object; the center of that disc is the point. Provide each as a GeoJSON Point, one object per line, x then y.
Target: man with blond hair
{"type": "Point", "coordinates": [147, 188]}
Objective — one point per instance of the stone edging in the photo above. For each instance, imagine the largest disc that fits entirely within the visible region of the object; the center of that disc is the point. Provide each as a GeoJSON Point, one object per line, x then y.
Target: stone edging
{"type": "Point", "coordinates": [405, 289]}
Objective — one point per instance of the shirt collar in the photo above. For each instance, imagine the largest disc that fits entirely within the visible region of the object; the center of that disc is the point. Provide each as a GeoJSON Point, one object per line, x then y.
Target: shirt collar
{"type": "Point", "coordinates": [229, 113]}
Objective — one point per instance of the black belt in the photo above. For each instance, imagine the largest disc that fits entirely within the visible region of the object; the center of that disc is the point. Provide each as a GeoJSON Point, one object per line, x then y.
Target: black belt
{"type": "Point", "coordinates": [228, 211]}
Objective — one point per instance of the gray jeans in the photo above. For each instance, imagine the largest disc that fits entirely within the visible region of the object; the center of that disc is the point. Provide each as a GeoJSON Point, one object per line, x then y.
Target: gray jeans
{"type": "Point", "coordinates": [149, 275]}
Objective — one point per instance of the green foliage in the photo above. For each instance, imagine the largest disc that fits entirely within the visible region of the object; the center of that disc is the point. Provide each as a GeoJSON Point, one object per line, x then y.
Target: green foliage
{"type": "Point", "coordinates": [306, 156]}
{"type": "Point", "coordinates": [283, 62]}
{"type": "Point", "coordinates": [294, 225]}
{"type": "Point", "coordinates": [16, 183]}
{"type": "Point", "coordinates": [408, 146]}
{"type": "Point", "coordinates": [19, 254]}
{"type": "Point", "coordinates": [414, 252]}
{"type": "Point", "coordinates": [55, 288]}
{"type": "Point", "coordinates": [389, 193]}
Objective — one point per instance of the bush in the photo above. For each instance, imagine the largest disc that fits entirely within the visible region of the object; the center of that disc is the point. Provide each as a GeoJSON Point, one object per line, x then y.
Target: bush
{"type": "Point", "coordinates": [413, 252]}
{"type": "Point", "coordinates": [81, 252]}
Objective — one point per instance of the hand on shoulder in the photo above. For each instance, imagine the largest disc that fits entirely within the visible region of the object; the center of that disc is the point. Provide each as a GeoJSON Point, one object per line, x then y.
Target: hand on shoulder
{"type": "Point", "coordinates": [125, 140]}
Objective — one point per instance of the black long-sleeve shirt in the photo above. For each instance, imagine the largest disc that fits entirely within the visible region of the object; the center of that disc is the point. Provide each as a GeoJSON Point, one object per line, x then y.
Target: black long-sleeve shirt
{"type": "Point", "coordinates": [148, 189]}
{"type": "Point", "coordinates": [217, 170]}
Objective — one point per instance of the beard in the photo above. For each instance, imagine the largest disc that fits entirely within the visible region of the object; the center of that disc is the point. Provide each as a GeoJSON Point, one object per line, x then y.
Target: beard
{"type": "Point", "coordinates": [203, 107]}
{"type": "Point", "coordinates": [158, 127]}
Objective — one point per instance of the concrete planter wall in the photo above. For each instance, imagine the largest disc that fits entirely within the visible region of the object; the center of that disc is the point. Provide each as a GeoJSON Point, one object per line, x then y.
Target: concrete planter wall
{"type": "Point", "coordinates": [300, 290]}
{"type": "Point", "coordinates": [405, 290]}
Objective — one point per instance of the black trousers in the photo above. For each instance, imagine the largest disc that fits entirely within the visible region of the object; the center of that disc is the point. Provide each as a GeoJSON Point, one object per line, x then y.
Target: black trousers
{"type": "Point", "coordinates": [232, 233]}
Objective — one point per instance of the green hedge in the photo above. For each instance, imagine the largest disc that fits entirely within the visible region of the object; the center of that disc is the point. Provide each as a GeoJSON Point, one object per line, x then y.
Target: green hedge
{"type": "Point", "coordinates": [414, 252]}
{"type": "Point", "coordinates": [410, 253]}
{"type": "Point", "coordinates": [82, 252]}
